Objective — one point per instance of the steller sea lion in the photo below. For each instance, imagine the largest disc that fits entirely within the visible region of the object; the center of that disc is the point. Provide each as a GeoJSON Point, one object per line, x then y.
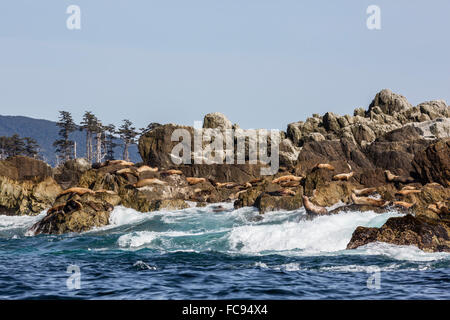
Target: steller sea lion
{"type": "Point", "coordinates": [409, 188]}
{"type": "Point", "coordinates": [121, 162]}
{"type": "Point", "coordinates": [127, 171]}
{"type": "Point", "coordinates": [228, 185]}
{"type": "Point", "coordinates": [369, 201]}
{"type": "Point", "coordinates": [290, 184]}
{"type": "Point", "coordinates": [193, 180]}
{"type": "Point", "coordinates": [364, 192]}
{"type": "Point", "coordinates": [147, 182]}
{"type": "Point", "coordinates": [312, 208]}
{"type": "Point", "coordinates": [343, 176]}
{"type": "Point", "coordinates": [171, 172]}
{"type": "Point", "coordinates": [323, 166]}
{"type": "Point", "coordinates": [408, 191]}
{"type": "Point", "coordinates": [287, 178]}
{"type": "Point", "coordinates": [105, 191]}
{"type": "Point", "coordinates": [146, 169]}
{"type": "Point", "coordinates": [256, 181]}
{"type": "Point", "coordinates": [403, 204]}
{"type": "Point", "coordinates": [77, 190]}
{"type": "Point", "coordinates": [393, 178]}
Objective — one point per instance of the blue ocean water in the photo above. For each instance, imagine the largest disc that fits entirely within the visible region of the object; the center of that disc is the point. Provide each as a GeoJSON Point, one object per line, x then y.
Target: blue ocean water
{"type": "Point", "coordinates": [199, 253]}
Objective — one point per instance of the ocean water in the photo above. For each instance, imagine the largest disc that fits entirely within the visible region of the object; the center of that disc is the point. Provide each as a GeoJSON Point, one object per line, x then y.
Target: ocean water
{"type": "Point", "coordinates": [198, 253]}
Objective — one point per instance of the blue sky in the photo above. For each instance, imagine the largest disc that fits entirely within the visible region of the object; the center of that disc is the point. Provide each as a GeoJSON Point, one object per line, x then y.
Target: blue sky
{"type": "Point", "coordinates": [262, 63]}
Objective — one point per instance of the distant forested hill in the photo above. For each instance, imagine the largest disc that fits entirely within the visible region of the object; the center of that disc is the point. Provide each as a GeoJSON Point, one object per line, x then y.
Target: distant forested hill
{"type": "Point", "coordinates": [45, 132]}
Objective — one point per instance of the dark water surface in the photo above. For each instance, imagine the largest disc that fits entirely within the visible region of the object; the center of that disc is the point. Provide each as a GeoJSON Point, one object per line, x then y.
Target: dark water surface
{"type": "Point", "coordinates": [201, 254]}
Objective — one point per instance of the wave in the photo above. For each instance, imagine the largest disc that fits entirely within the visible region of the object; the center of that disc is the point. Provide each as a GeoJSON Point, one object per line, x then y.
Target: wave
{"type": "Point", "coordinates": [322, 234]}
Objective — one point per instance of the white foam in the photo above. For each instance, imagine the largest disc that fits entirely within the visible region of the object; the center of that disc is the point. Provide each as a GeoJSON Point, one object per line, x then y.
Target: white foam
{"type": "Point", "coordinates": [322, 234]}
{"type": "Point", "coordinates": [145, 238]}
{"type": "Point", "coordinates": [122, 216]}
{"type": "Point", "coordinates": [19, 222]}
{"type": "Point", "coordinates": [408, 253]}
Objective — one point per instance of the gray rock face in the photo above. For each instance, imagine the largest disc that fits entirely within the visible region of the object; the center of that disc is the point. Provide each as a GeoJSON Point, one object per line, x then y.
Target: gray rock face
{"type": "Point", "coordinates": [388, 111]}
{"type": "Point", "coordinates": [216, 120]}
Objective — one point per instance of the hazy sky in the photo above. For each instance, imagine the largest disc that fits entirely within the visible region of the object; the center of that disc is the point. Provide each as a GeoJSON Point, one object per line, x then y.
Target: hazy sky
{"type": "Point", "coordinates": [262, 63]}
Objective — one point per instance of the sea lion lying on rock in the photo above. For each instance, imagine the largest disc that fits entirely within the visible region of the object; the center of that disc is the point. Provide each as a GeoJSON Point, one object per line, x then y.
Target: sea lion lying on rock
{"type": "Point", "coordinates": [171, 172]}
{"type": "Point", "coordinates": [323, 166]}
{"type": "Point", "coordinates": [393, 178]}
{"type": "Point", "coordinates": [408, 191]}
{"type": "Point", "coordinates": [121, 162]}
{"type": "Point", "coordinates": [77, 190]}
{"type": "Point", "coordinates": [287, 178]}
{"type": "Point", "coordinates": [147, 182]}
{"type": "Point", "coordinates": [193, 181]}
{"type": "Point", "coordinates": [403, 204]}
{"type": "Point", "coordinates": [343, 176]}
{"type": "Point", "coordinates": [312, 208]}
{"type": "Point", "coordinates": [146, 169]}
{"type": "Point", "coordinates": [369, 201]}
{"type": "Point", "coordinates": [364, 192]}
{"type": "Point", "coordinates": [128, 171]}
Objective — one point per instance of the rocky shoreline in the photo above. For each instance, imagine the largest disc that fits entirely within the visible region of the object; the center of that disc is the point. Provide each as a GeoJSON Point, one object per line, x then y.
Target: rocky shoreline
{"type": "Point", "coordinates": [392, 156]}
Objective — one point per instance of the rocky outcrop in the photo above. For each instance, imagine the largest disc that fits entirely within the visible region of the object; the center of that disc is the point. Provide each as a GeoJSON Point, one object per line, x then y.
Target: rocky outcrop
{"type": "Point", "coordinates": [427, 234]}
{"type": "Point", "coordinates": [216, 120]}
{"type": "Point", "coordinates": [433, 163]}
{"type": "Point", "coordinates": [27, 197]}
{"type": "Point", "coordinates": [68, 174]}
{"type": "Point", "coordinates": [77, 212]}
{"type": "Point", "coordinates": [25, 168]}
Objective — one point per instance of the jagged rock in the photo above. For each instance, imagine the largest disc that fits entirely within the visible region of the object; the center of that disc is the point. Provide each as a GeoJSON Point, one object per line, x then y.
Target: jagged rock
{"type": "Point", "coordinates": [433, 163]}
{"type": "Point", "coordinates": [216, 120]}
{"type": "Point", "coordinates": [427, 234]}
{"type": "Point", "coordinates": [77, 213]}
{"type": "Point", "coordinates": [389, 102]}
{"type": "Point", "coordinates": [68, 174]}
{"type": "Point", "coordinates": [266, 202]}
{"type": "Point", "coordinates": [332, 192]}
{"type": "Point", "coordinates": [27, 197]}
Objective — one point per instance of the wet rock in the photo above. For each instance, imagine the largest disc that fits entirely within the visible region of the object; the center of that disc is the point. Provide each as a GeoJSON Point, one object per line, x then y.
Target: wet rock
{"type": "Point", "coordinates": [74, 212]}
{"type": "Point", "coordinates": [427, 234]}
{"type": "Point", "coordinates": [267, 202]}
{"type": "Point", "coordinates": [68, 174]}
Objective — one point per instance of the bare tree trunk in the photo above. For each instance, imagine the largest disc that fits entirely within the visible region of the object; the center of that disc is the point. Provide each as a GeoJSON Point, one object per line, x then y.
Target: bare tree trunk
{"type": "Point", "coordinates": [125, 152]}
{"type": "Point", "coordinates": [98, 154]}
{"type": "Point", "coordinates": [74, 149]}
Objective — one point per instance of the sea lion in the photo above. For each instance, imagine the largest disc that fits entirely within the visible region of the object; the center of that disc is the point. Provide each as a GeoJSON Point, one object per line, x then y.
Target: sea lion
{"type": "Point", "coordinates": [146, 169]}
{"type": "Point", "coordinates": [171, 172]}
{"type": "Point", "coordinates": [228, 185]}
{"type": "Point", "coordinates": [256, 181]}
{"type": "Point", "coordinates": [127, 171]}
{"type": "Point", "coordinates": [147, 182]}
{"type": "Point", "coordinates": [343, 176]}
{"type": "Point", "coordinates": [193, 180]}
{"type": "Point", "coordinates": [312, 208]}
{"type": "Point", "coordinates": [409, 188]}
{"type": "Point", "coordinates": [439, 208]}
{"type": "Point", "coordinates": [77, 190]}
{"type": "Point", "coordinates": [282, 192]}
{"type": "Point", "coordinates": [364, 192]}
{"type": "Point", "coordinates": [121, 162]}
{"type": "Point", "coordinates": [290, 184]}
{"type": "Point", "coordinates": [403, 204]}
{"type": "Point", "coordinates": [323, 166]}
{"type": "Point", "coordinates": [369, 201]}
{"type": "Point", "coordinates": [55, 209]}
{"type": "Point", "coordinates": [408, 191]}
{"type": "Point", "coordinates": [105, 191]}
{"type": "Point", "coordinates": [393, 178]}
{"type": "Point", "coordinates": [287, 178]}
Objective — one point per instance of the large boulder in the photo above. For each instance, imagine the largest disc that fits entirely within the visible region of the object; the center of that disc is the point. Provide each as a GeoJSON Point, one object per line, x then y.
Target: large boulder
{"type": "Point", "coordinates": [68, 174]}
{"type": "Point", "coordinates": [77, 212]}
{"type": "Point", "coordinates": [427, 234]}
{"type": "Point", "coordinates": [216, 120]}
{"type": "Point", "coordinates": [389, 102]}
{"type": "Point", "coordinates": [433, 163]}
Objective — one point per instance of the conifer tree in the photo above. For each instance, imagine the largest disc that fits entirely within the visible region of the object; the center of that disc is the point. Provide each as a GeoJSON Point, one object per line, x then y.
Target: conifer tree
{"type": "Point", "coordinates": [64, 146]}
{"type": "Point", "coordinates": [128, 135]}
